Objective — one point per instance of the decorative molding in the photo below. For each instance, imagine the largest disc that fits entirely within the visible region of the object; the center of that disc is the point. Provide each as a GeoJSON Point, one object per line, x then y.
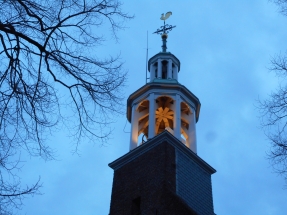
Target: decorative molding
{"type": "Point", "coordinates": [157, 140]}
{"type": "Point", "coordinates": [164, 89]}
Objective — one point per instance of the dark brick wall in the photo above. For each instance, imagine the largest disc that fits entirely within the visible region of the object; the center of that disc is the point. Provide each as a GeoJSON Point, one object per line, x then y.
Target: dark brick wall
{"type": "Point", "coordinates": [172, 204]}
{"type": "Point", "coordinates": [144, 177]}
{"type": "Point", "coordinates": [193, 185]}
{"type": "Point", "coordinates": [152, 177]}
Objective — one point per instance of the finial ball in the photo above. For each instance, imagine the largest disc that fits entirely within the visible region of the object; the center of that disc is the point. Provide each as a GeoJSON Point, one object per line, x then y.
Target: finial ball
{"type": "Point", "coordinates": [164, 36]}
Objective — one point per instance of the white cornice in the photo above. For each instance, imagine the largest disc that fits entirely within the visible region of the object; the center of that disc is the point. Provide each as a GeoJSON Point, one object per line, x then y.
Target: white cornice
{"type": "Point", "coordinates": [165, 136]}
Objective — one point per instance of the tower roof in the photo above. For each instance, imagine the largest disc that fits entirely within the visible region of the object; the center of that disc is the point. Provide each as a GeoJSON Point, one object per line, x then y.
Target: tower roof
{"type": "Point", "coordinates": [141, 92]}
{"type": "Point", "coordinates": [164, 55]}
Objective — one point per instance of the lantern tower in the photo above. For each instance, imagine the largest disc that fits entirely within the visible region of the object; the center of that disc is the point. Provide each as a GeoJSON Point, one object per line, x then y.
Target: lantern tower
{"type": "Point", "coordinates": [163, 103]}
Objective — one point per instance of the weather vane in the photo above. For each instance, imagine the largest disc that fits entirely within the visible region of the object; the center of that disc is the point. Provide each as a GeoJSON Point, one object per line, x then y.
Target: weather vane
{"type": "Point", "coordinates": [164, 30]}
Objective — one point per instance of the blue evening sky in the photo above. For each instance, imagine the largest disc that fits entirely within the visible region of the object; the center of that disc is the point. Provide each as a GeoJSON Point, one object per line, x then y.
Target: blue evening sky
{"type": "Point", "coordinates": [225, 49]}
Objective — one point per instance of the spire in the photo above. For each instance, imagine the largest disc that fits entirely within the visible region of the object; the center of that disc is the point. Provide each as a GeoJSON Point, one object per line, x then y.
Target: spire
{"type": "Point", "coordinates": [164, 30]}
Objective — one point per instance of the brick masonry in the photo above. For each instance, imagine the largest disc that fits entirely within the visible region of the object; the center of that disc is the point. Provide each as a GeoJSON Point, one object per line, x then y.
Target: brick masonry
{"type": "Point", "coordinates": [193, 184]}
{"type": "Point", "coordinates": [162, 180]}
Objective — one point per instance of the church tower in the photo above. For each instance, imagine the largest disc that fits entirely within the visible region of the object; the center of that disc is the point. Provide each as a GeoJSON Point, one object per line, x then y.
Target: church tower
{"type": "Point", "coordinates": [162, 173]}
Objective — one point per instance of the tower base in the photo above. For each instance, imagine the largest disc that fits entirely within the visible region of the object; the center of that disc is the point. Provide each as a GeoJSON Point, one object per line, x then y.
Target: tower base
{"type": "Point", "coordinates": [162, 176]}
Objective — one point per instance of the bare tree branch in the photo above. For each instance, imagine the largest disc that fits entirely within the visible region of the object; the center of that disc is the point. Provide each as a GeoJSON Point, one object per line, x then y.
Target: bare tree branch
{"type": "Point", "coordinates": [47, 47]}
{"type": "Point", "coordinates": [273, 111]}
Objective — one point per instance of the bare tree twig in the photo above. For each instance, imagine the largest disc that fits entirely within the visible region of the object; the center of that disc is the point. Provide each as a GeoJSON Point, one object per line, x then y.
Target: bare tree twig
{"type": "Point", "coordinates": [47, 46]}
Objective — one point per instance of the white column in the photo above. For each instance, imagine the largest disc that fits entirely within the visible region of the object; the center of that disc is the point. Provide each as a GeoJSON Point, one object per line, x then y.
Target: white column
{"type": "Point", "coordinates": [175, 72]}
{"type": "Point", "coordinates": [191, 141]}
{"type": "Point", "coordinates": [172, 107]}
{"type": "Point", "coordinates": [134, 128]}
{"type": "Point", "coordinates": [151, 119]}
{"type": "Point", "coordinates": [159, 68]}
{"type": "Point", "coordinates": [152, 72]}
{"type": "Point", "coordinates": [177, 120]}
{"type": "Point", "coordinates": [169, 69]}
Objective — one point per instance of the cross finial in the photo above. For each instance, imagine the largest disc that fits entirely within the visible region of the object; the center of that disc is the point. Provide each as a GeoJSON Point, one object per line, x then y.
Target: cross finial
{"type": "Point", "coordinates": [164, 30]}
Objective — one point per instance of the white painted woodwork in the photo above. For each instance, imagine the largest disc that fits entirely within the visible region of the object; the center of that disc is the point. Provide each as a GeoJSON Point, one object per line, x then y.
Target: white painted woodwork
{"type": "Point", "coordinates": [191, 140]}
{"type": "Point", "coordinates": [175, 72]}
{"type": "Point", "coordinates": [159, 68]}
{"type": "Point", "coordinates": [168, 108]}
{"type": "Point", "coordinates": [134, 128]}
{"type": "Point", "coordinates": [169, 111]}
{"type": "Point", "coordinates": [151, 127]}
{"type": "Point", "coordinates": [169, 69]}
{"type": "Point", "coordinates": [152, 72]}
{"type": "Point", "coordinates": [177, 116]}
